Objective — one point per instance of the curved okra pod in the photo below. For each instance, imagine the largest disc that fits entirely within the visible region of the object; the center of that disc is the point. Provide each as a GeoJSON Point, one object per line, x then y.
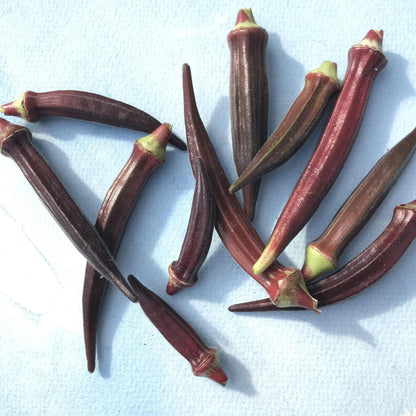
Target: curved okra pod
{"type": "Point", "coordinates": [298, 124]}
{"type": "Point", "coordinates": [204, 360]}
{"type": "Point", "coordinates": [365, 61]}
{"type": "Point", "coordinates": [249, 97]}
{"type": "Point", "coordinates": [285, 285]}
{"type": "Point", "coordinates": [15, 142]}
{"type": "Point", "coordinates": [184, 271]}
{"type": "Point", "coordinates": [147, 155]}
{"type": "Point", "coordinates": [82, 105]}
{"type": "Point", "coordinates": [362, 271]}
{"type": "Point", "coordinates": [322, 254]}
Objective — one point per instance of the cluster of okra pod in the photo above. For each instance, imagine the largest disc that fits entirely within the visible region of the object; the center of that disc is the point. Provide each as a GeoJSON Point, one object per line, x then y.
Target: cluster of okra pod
{"type": "Point", "coordinates": [214, 203]}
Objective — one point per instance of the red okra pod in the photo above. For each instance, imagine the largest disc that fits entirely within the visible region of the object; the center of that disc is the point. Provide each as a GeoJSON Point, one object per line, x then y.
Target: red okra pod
{"type": "Point", "coordinates": [204, 360]}
{"type": "Point", "coordinates": [322, 254]}
{"type": "Point", "coordinates": [362, 271]}
{"type": "Point", "coordinates": [298, 124]}
{"type": "Point", "coordinates": [15, 142]}
{"type": "Point", "coordinates": [82, 105]}
{"type": "Point", "coordinates": [285, 285]}
{"type": "Point", "coordinates": [249, 97]}
{"type": "Point", "coordinates": [147, 155]}
{"type": "Point", "coordinates": [184, 271]}
{"type": "Point", "coordinates": [365, 61]}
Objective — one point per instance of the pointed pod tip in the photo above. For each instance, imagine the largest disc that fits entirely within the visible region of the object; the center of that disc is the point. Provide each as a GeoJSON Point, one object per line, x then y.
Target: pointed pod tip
{"type": "Point", "coordinates": [91, 366]}
{"type": "Point", "coordinates": [260, 265]}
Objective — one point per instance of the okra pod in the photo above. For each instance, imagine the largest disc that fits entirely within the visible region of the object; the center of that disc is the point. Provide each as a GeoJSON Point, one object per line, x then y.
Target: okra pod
{"type": "Point", "coordinates": [249, 97]}
{"type": "Point", "coordinates": [184, 271]}
{"type": "Point", "coordinates": [15, 142]}
{"type": "Point", "coordinates": [147, 155]}
{"type": "Point", "coordinates": [365, 62]}
{"type": "Point", "coordinates": [296, 127]}
{"type": "Point", "coordinates": [204, 360]}
{"type": "Point", "coordinates": [82, 105]}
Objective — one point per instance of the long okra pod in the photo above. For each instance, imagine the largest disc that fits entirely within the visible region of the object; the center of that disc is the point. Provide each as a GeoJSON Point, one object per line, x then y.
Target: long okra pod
{"type": "Point", "coordinates": [82, 105]}
{"type": "Point", "coordinates": [362, 271]}
{"type": "Point", "coordinates": [184, 271]}
{"type": "Point", "coordinates": [285, 285]}
{"type": "Point", "coordinates": [147, 155]}
{"type": "Point", "coordinates": [365, 61]}
{"type": "Point", "coordinates": [249, 97]}
{"type": "Point", "coordinates": [297, 125]}
{"type": "Point", "coordinates": [322, 254]}
{"type": "Point", "coordinates": [15, 142]}
{"type": "Point", "coordinates": [204, 360]}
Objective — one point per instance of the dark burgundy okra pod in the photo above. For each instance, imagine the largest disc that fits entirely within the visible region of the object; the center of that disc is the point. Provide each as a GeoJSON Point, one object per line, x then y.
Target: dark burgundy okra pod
{"type": "Point", "coordinates": [296, 127]}
{"type": "Point", "coordinates": [82, 105]}
{"type": "Point", "coordinates": [285, 285]}
{"type": "Point", "coordinates": [184, 271]}
{"type": "Point", "coordinates": [204, 360]}
{"type": "Point", "coordinates": [147, 155]}
{"type": "Point", "coordinates": [322, 254]}
{"type": "Point", "coordinates": [15, 142]}
{"type": "Point", "coordinates": [365, 61]}
{"type": "Point", "coordinates": [249, 97]}
{"type": "Point", "coordinates": [362, 271]}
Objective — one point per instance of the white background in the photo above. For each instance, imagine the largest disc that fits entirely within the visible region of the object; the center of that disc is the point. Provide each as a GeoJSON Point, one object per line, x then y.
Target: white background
{"type": "Point", "coordinates": [356, 358]}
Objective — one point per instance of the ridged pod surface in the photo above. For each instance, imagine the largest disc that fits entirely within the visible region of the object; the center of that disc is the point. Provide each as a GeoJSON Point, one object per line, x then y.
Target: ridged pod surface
{"type": "Point", "coordinates": [249, 97]}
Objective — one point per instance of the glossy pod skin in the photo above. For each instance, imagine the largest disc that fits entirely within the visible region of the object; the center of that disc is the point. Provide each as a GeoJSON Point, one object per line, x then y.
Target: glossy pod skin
{"type": "Point", "coordinates": [184, 271]}
{"type": "Point", "coordinates": [296, 127]}
{"type": "Point", "coordinates": [15, 142]}
{"type": "Point", "coordinates": [82, 105]}
{"type": "Point", "coordinates": [204, 360]}
{"type": "Point", "coordinates": [362, 271]}
{"type": "Point", "coordinates": [365, 62]}
{"type": "Point", "coordinates": [148, 154]}
{"type": "Point", "coordinates": [249, 97]}
{"type": "Point", "coordinates": [285, 285]}
{"type": "Point", "coordinates": [322, 254]}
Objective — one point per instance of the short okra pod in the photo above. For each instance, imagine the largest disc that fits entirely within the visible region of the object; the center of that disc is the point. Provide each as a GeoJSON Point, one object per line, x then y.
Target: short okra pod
{"type": "Point", "coordinates": [285, 285]}
{"type": "Point", "coordinates": [249, 97]}
{"type": "Point", "coordinates": [147, 155]}
{"type": "Point", "coordinates": [362, 271]}
{"type": "Point", "coordinates": [365, 62]}
{"type": "Point", "coordinates": [184, 271]}
{"type": "Point", "coordinates": [204, 360]}
{"type": "Point", "coordinates": [15, 142]}
{"type": "Point", "coordinates": [322, 254]}
{"type": "Point", "coordinates": [296, 127]}
{"type": "Point", "coordinates": [82, 105]}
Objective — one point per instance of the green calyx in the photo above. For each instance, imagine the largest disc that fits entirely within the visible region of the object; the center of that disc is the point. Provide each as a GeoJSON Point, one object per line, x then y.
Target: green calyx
{"type": "Point", "coordinates": [154, 145]}
{"type": "Point", "coordinates": [245, 20]}
{"type": "Point", "coordinates": [328, 69]}
{"type": "Point", "coordinates": [317, 262]}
